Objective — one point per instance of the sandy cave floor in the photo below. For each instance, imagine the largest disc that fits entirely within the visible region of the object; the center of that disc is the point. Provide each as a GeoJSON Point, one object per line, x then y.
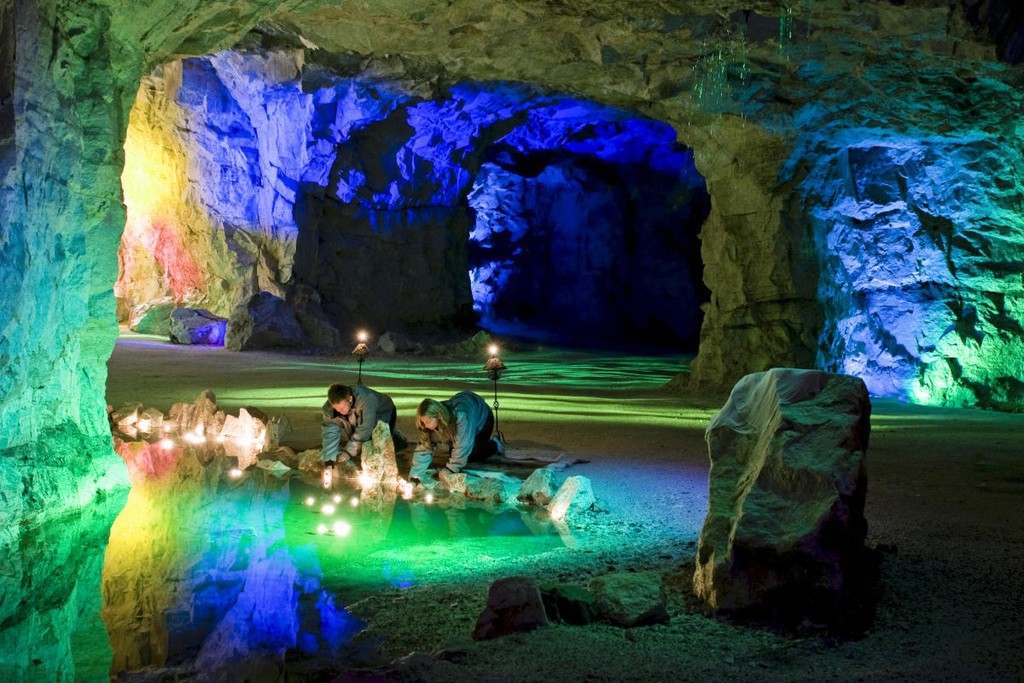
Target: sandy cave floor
{"type": "Point", "coordinates": [945, 506]}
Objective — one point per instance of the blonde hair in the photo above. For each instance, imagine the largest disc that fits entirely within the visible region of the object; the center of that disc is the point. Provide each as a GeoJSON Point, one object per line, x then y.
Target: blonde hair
{"type": "Point", "coordinates": [445, 419]}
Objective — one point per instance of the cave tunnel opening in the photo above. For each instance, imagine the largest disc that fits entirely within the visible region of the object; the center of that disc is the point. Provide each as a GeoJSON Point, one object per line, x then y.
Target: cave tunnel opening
{"type": "Point", "coordinates": [342, 198]}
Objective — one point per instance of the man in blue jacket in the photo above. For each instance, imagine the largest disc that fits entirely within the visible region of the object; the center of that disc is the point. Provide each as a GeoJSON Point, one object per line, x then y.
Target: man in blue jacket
{"type": "Point", "coordinates": [349, 415]}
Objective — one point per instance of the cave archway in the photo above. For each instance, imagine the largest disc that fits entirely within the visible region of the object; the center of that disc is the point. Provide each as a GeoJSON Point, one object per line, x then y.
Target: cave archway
{"type": "Point", "coordinates": [381, 202]}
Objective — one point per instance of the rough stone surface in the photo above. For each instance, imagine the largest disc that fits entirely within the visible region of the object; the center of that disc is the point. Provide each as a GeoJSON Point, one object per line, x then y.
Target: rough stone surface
{"type": "Point", "coordinates": [785, 525]}
{"type": "Point", "coordinates": [264, 321]}
{"type": "Point", "coordinates": [156, 320]}
{"type": "Point", "coordinates": [540, 487]}
{"type": "Point", "coordinates": [197, 326]}
{"type": "Point", "coordinates": [200, 414]}
{"type": "Point", "coordinates": [310, 460]}
{"type": "Point", "coordinates": [396, 342]}
{"type": "Point", "coordinates": [378, 457]}
{"type": "Point", "coordinates": [630, 598]}
{"type": "Point", "coordinates": [570, 604]}
{"type": "Point", "coordinates": [492, 489]}
{"type": "Point", "coordinates": [514, 605]}
{"type": "Point", "coordinates": [757, 112]}
{"type": "Point", "coordinates": [921, 281]}
{"type": "Point", "coordinates": [576, 495]}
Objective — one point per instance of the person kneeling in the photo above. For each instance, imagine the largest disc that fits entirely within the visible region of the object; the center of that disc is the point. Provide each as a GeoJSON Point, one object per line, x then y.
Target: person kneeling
{"type": "Point", "coordinates": [349, 416]}
{"type": "Point", "coordinates": [464, 422]}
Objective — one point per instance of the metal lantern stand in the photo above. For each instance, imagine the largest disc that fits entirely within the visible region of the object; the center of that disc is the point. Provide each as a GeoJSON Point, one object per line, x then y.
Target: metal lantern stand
{"type": "Point", "coordinates": [494, 367]}
{"type": "Point", "coordinates": [360, 352]}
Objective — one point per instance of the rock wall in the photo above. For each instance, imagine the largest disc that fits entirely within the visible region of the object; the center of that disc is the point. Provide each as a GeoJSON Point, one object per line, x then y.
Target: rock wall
{"type": "Point", "coordinates": [253, 169]}
{"type": "Point", "coordinates": [921, 246]}
{"type": "Point", "coordinates": [771, 94]}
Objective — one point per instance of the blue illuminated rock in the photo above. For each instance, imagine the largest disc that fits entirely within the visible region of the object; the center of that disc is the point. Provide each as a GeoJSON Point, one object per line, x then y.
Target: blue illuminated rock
{"type": "Point", "coordinates": [785, 528]}
{"type": "Point", "coordinates": [921, 258]}
{"type": "Point", "coordinates": [197, 326]}
{"type": "Point", "coordinates": [264, 322]}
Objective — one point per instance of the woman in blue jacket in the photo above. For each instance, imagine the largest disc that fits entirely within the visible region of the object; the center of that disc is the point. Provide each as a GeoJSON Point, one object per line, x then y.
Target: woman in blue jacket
{"type": "Point", "coordinates": [464, 422]}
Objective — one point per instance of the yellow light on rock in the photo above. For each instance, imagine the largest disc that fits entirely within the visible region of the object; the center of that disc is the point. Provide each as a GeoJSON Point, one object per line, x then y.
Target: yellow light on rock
{"type": "Point", "coordinates": [167, 444]}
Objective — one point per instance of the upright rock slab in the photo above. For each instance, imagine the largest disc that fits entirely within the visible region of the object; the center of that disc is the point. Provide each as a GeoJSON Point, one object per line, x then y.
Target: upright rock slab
{"type": "Point", "coordinates": [785, 526]}
{"type": "Point", "coordinates": [378, 457]}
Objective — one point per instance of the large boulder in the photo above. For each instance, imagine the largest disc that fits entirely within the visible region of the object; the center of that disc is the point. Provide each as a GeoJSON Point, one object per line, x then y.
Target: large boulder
{"type": "Point", "coordinates": [514, 605]}
{"type": "Point", "coordinates": [264, 321]}
{"type": "Point", "coordinates": [785, 526]}
{"type": "Point", "coordinates": [197, 326]}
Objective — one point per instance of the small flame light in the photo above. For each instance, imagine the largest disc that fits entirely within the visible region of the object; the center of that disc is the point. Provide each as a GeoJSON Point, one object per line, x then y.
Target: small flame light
{"type": "Point", "coordinates": [327, 509]}
{"type": "Point", "coordinates": [362, 336]}
{"type": "Point", "coordinates": [336, 498]}
{"type": "Point", "coordinates": [342, 528]}
{"type": "Point", "coordinates": [310, 501]}
{"type": "Point", "coordinates": [429, 498]}
{"type": "Point", "coordinates": [354, 502]}
{"type": "Point", "coordinates": [321, 529]}
{"type": "Point", "coordinates": [168, 428]}
{"type": "Point", "coordinates": [167, 444]}
{"type": "Point", "coordinates": [365, 480]}
{"type": "Point", "coordinates": [235, 473]}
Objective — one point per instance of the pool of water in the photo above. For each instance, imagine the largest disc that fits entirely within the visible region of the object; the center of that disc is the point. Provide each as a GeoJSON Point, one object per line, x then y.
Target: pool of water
{"type": "Point", "coordinates": [203, 573]}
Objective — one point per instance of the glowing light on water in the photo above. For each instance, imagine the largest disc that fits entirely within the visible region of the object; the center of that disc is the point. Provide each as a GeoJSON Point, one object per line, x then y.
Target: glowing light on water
{"type": "Point", "coordinates": [327, 509]}
{"type": "Point", "coordinates": [342, 528]}
{"type": "Point", "coordinates": [336, 498]}
{"type": "Point", "coordinates": [354, 502]}
{"type": "Point", "coordinates": [310, 501]}
{"type": "Point", "coordinates": [429, 498]}
{"type": "Point", "coordinates": [321, 529]}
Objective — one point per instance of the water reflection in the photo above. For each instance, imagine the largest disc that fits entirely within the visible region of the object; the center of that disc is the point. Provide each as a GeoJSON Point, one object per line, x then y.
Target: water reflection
{"type": "Point", "coordinates": [231, 576]}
